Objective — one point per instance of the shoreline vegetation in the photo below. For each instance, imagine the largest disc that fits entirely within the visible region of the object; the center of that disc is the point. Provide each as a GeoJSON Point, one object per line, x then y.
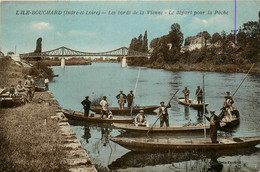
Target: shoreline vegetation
{"type": "Point", "coordinates": [219, 52]}
{"type": "Point", "coordinates": [30, 138]}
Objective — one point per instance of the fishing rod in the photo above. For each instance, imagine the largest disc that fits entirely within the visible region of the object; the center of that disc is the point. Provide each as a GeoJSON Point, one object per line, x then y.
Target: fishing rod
{"type": "Point", "coordinates": [135, 92]}
{"type": "Point", "coordinates": [204, 108]}
{"type": "Point", "coordinates": [161, 113]}
{"type": "Point", "coordinates": [243, 80]}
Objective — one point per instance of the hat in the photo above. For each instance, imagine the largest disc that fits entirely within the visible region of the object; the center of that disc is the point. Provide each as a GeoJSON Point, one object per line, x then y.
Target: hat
{"type": "Point", "coordinates": [131, 91]}
{"type": "Point", "coordinates": [198, 86]}
{"type": "Point", "coordinates": [161, 102]}
{"type": "Point", "coordinates": [87, 97]}
{"type": "Point", "coordinates": [212, 111]}
{"type": "Point", "coordinates": [228, 92]}
{"type": "Point", "coordinates": [121, 90]}
{"type": "Point", "coordinates": [29, 76]}
{"type": "Point", "coordinates": [141, 111]}
{"type": "Point", "coordinates": [104, 97]}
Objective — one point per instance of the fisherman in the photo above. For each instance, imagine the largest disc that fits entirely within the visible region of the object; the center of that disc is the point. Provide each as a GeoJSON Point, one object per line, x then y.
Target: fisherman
{"type": "Point", "coordinates": [130, 98]}
{"type": "Point", "coordinates": [28, 87]}
{"type": "Point", "coordinates": [227, 106]}
{"type": "Point", "coordinates": [163, 114]}
{"type": "Point", "coordinates": [140, 119]}
{"type": "Point", "coordinates": [121, 97]}
{"type": "Point", "coordinates": [46, 83]}
{"type": "Point", "coordinates": [214, 125]}
{"type": "Point", "coordinates": [104, 107]}
{"type": "Point", "coordinates": [186, 94]}
{"type": "Point", "coordinates": [86, 105]}
{"type": "Point", "coordinates": [198, 94]}
{"type": "Point", "coordinates": [12, 91]}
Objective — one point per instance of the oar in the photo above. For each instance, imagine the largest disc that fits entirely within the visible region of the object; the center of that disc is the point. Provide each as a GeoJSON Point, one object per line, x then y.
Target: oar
{"type": "Point", "coordinates": [135, 92]}
{"type": "Point", "coordinates": [161, 113]}
{"type": "Point", "coordinates": [243, 80]}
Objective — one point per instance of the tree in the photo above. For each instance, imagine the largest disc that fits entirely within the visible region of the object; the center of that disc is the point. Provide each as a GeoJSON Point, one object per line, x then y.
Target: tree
{"type": "Point", "coordinates": [188, 40]}
{"type": "Point", "coordinates": [38, 46]}
{"type": "Point", "coordinates": [251, 29]}
{"type": "Point", "coordinates": [145, 42]}
{"type": "Point", "coordinates": [176, 36]}
{"type": "Point", "coordinates": [215, 38]}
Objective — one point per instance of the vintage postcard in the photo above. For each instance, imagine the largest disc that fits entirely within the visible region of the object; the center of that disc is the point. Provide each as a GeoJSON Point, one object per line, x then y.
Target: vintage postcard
{"type": "Point", "coordinates": [130, 85]}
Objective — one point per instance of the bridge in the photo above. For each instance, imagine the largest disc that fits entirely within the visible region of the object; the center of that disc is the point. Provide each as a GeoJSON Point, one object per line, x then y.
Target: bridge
{"type": "Point", "coordinates": [64, 52]}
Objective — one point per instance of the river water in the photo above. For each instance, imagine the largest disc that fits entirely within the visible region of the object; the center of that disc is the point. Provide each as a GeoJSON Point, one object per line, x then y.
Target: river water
{"type": "Point", "coordinates": [154, 86]}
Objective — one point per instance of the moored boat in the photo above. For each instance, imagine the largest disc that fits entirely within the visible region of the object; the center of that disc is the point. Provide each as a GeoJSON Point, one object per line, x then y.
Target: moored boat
{"type": "Point", "coordinates": [192, 103]}
{"type": "Point", "coordinates": [158, 129]}
{"type": "Point", "coordinates": [126, 110]}
{"type": "Point", "coordinates": [162, 145]}
{"type": "Point", "coordinates": [95, 117]}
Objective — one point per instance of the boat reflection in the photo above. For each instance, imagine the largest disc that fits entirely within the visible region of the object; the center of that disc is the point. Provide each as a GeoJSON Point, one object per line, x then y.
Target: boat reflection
{"type": "Point", "coordinates": [210, 158]}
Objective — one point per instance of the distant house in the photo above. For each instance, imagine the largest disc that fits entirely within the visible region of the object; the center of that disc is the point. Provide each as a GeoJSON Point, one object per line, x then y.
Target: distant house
{"type": "Point", "coordinates": [196, 43]}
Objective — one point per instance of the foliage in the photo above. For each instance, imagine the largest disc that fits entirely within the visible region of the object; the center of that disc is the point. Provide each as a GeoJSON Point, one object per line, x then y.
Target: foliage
{"type": "Point", "coordinates": [140, 44]}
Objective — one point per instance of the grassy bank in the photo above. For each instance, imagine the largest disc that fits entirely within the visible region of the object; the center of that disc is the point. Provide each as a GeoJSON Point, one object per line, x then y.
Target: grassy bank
{"type": "Point", "coordinates": [72, 61]}
{"type": "Point", "coordinates": [30, 139]}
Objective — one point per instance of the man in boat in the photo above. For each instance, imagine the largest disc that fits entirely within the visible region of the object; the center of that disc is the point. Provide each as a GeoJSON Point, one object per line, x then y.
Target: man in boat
{"type": "Point", "coordinates": [186, 94]}
{"type": "Point", "coordinates": [214, 125]}
{"type": "Point", "coordinates": [140, 119]}
{"type": "Point", "coordinates": [86, 105]}
{"type": "Point", "coordinates": [104, 107]}
{"type": "Point", "coordinates": [12, 91]}
{"type": "Point", "coordinates": [46, 84]}
{"type": "Point", "coordinates": [198, 94]}
{"type": "Point", "coordinates": [130, 98]}
{"type": "Point", "coordinates": [121, 97]}
{"type": "Point", "coordinates": [163, 114]}
{"type": "Point", "coordinates": [228, 104]}
{"type": "Point", "coordinates": [33, 86]}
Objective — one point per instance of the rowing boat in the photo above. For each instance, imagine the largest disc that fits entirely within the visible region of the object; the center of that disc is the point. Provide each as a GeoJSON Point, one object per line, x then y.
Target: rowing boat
{"type": "Point", "coordinates": [230, 122]}
{"type": "Point", "coordinates": [158, 129]}
{"type": "Point", "coordinates": [162, 145]}
{"type": "Point", "coordinates": [126, 110]}
{"type": "Point", "coordinates": [95, 117]}
{"type": "Point", "coordinates": [192, 103]}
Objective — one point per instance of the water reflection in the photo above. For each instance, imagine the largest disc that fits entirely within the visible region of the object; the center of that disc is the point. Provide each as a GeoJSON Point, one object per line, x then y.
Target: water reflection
{"type": "Point", "coordinates": [208, 159]}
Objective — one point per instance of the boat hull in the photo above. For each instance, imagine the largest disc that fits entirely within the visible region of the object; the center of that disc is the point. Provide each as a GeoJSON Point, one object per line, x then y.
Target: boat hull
{"type": "Point", "coordinates": [96, 118]}
{"type": "Point", "coordinates": [163, 145]}
{"type": "Point", "coordinates": [126, 110]}
{"type": "Point", "coordinates": [158, 129]}
{"type": "Point", "coordinates": [193, 103]}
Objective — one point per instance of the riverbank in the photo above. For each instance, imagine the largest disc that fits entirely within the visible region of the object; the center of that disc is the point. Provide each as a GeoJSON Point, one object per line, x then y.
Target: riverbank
{"type": "Point", "coordinates": [206, 66]}
{"type": "Point", "coordinates": [72, 61]}
{"type": "Point", "coordinates": [36, 136]}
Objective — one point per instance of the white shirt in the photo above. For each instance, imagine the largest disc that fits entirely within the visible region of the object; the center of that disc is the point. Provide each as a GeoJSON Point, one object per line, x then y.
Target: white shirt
{"type": "Point", "coordinates": [46, 81]}
{"type": "Point", "coordinates": [104, 104]}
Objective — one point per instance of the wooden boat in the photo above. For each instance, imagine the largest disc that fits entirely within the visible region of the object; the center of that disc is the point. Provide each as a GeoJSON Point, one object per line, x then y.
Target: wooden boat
{"type": "Point", "coordinates": [162, 145]}
{"type": "Point", "coordinates": [192, 103]}
{"type": "Point", "coordinates": [126, 110]}
{"type": "Point", "coordinates": [230, 122]}
{"type": "Point", "coordinates": [39, 88]}
{"type": "Point", "coordinates": [8, 102]}
{"type": "Point", "coordinates": [158, 129]}
{"type": "Point", "coordinates": [95, 117]}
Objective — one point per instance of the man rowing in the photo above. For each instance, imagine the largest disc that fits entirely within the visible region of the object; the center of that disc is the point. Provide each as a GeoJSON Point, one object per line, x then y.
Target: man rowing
{"type": "Point", "coordinates": [186, 94]}
{"type": "Point", "coordinates": [214, 125]}
{"type": "Point", "coordinates": [121, 97]}
{"type": "Point", "coordinates": [198, 94]}
{"type": "Point", "coordinates": [140, 119]}
{"type": "Point", "coordinates": [163, 114]}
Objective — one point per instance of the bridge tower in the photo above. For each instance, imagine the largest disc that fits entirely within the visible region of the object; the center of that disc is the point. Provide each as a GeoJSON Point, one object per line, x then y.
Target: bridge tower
{"type": "Point", "coordinates": [123, 62]}
{"type": "Point", "coordinates": [62, 59]}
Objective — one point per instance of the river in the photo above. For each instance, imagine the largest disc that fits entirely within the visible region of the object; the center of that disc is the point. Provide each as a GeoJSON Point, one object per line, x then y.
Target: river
{"type": "Point", "coordinates": [154, 86]}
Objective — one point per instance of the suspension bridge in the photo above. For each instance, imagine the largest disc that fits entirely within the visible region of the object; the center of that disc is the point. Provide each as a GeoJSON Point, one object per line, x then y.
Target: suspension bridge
{"type": "Point", "coordinates": [64, 52]}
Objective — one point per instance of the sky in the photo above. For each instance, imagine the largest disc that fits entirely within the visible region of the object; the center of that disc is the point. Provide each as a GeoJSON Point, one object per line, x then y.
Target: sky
{"type": "Point", "coordinates": [108, 30]}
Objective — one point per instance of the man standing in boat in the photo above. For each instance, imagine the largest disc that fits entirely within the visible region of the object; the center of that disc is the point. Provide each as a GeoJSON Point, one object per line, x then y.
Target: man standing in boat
{"type": "Point", "coordinates": [121, 97]}
{"type": "Point", "coordinates": [163, 114]}
{"type": "Point", "coordinates": [130, 99]}
{"type": "Point", "coordinates": [104, 107]}
{"type": "Point", "coordinates": [214, 125]}
{"type": "Point", "coordinates": [140, 119]}
{"type": "Point", "coordinates": [227, 106]}
{"type": "Point", "coordinates": [198, 94]}
{"type": "Point", "coordinates": [28, 88]}
{"type": "Point", "coordinates": [186, 94]}
{"type": "Point", "coordinates": [86, 105]}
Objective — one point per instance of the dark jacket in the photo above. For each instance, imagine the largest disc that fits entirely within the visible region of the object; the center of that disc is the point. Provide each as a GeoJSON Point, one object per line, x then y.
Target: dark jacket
{"type": "Point", "coordinates": [86, 103]}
